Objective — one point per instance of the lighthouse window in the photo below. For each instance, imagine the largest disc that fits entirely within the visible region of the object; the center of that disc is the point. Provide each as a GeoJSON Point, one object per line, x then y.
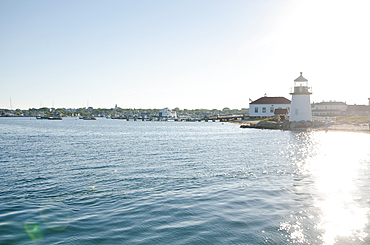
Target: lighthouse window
{"type": "Point", "coordinates": [264, 110]}
{"type": "Point", "coordinates": [296, 112]}
{"type": "Point", "coordinates": [256, 110]}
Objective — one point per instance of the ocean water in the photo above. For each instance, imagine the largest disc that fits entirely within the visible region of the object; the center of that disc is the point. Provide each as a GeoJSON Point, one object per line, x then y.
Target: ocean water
{"type": "Point", "coordinates": [117, 182]}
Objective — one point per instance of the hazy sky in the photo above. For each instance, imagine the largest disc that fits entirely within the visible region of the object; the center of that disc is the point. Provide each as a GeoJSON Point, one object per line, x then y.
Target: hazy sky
{"type": "Point", "coordinates": [188, 54]}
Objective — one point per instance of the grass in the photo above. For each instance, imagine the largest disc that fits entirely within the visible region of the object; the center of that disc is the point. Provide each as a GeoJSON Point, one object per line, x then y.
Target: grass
{"type": "Point", "coordinates": [353, 119]}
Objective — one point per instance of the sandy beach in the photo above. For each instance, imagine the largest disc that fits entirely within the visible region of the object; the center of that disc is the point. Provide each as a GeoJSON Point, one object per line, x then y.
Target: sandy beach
{"type": "Point", "coordinates": [360, 128]}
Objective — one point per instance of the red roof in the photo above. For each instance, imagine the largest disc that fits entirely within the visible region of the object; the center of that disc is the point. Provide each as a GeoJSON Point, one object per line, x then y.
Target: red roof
{"type": "Point", "coordinates": [271, 100]}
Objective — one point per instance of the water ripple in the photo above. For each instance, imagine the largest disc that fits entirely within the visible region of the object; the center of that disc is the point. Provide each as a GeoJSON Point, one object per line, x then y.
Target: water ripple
{"type": "Point", "coordinates": [118, 182]}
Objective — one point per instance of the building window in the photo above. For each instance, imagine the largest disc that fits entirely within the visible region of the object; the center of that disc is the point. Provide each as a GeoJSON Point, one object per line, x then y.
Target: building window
{"type": "Point", "coordinates": [296, 112]}
{"type": "Point", "coordinates": [271, 109]}
{"type": "Point", "coordinates": [256, 110]}
{"type": "Point", "coordinates": [264, 110]}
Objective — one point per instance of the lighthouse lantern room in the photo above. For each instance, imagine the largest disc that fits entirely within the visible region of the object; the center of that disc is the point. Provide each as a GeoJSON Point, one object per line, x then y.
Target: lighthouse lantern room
{"type": "Point", "coordinates": [300, 108]}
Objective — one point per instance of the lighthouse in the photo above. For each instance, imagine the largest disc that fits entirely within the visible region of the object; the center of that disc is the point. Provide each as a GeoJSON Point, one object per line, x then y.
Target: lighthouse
{"type": "Point", "coordinates": [300, 108]}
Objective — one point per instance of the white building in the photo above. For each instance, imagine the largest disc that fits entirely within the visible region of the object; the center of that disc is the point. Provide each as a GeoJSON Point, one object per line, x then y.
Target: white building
{"type": "Point", "coordinates": [300, 109]}
{"type": "Point", "coordinates": [268, 106]}
{"type": "Point", "coordinates": [329, 108]}
{"type": "Point", "coordinates": [167, 114]}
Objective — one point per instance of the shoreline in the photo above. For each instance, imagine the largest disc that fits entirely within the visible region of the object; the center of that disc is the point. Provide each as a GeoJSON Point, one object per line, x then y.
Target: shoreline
{"type": "Point", "coordinates": [355, 128]}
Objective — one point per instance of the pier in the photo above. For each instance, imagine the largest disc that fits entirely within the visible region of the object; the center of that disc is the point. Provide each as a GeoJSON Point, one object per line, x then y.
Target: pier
{"type": "Point", "coordinates": [205, 119]}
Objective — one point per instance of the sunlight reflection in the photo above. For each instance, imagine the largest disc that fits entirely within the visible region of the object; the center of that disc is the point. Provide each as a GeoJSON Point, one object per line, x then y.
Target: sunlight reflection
{"type": "Point", "coordinates": [336, 168]}
{"type": "Point", "coordinates": [295, 230]}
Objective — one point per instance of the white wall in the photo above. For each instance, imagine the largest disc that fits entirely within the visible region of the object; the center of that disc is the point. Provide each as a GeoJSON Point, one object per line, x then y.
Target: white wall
{"type": "Point", "coordinates": [268, 107]}
{"type": "Point", "coordinates": [300, 109]}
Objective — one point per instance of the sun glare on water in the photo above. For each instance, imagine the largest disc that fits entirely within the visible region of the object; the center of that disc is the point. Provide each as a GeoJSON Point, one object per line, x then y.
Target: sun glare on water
{"type": "Point", "coordinates": [337, 168]}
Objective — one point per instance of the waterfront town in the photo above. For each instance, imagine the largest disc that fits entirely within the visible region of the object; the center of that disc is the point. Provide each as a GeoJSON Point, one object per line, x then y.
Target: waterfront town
{"type": "Point", "coordinates": [120, 113]}
{"type": "Point", "coordinates": [259, 108]}
{"type": "Point", "coordinates": [298, 109]}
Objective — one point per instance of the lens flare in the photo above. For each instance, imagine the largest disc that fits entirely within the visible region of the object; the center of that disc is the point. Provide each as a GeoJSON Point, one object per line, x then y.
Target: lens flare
{"type": "Point", "coordinates": [33, 229]}
{"type": "Point", "coordinates": [55, 215]}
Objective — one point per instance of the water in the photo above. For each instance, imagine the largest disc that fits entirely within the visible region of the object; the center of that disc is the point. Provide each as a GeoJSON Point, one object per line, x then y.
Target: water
{"type": "Point", "coordinates": [119, 182]}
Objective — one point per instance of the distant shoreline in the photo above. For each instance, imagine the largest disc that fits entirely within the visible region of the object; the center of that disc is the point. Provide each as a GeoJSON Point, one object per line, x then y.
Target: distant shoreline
{"type": "Point", "coordinates": [339, 127]}
{"type": "Point", "coordinates": [357, 128]}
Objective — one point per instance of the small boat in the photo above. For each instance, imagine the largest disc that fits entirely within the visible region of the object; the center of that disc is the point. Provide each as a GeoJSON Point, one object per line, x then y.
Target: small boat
{"type": "Point", "coordinates": [89, 118]}
{"type": "Point", "coordinates": [42, 117]}
{"type": "Point", "coordinates": [54, 118]}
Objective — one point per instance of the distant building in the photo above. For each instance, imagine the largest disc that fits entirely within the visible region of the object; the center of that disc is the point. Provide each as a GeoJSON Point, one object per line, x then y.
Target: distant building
{"type": "Point", "coordinates": [281, 111]}
{"type": "Point", "coordinates": [268, 106]}
{"type": "Point", "coordinates": [167, 114]}
{"type": "Point", "coordinates": [329, 108]}
{"type": "Point", "coordinates": [144, 115]}
{"type": "Point", "coordinates": [358, 109]}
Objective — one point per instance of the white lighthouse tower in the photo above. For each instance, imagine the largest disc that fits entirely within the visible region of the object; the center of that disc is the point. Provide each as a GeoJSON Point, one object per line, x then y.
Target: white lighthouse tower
{"type": "Point", "coordinates": [300, 108]}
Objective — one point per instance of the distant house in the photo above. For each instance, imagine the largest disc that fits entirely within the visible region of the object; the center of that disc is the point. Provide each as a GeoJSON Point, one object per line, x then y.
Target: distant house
{"type": "Point", "coordinates": [167, 114]}
{"type": "Point", "coordinates": [358, 109]}
{"type": "Point", "coordinates": [329, 108]}
{"type": "Point", "coordinates": [143, 115]}
{"type": "Point", "coordinates": [269, 106]}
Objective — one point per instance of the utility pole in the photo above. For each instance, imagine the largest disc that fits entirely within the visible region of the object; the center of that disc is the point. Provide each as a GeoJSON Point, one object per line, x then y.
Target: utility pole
{"type": "Point", "coordinates": [11, 106]}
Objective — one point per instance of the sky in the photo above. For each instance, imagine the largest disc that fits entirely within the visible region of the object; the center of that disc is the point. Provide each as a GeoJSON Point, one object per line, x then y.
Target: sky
{"type": "Point", "coordinates": [190, 54]}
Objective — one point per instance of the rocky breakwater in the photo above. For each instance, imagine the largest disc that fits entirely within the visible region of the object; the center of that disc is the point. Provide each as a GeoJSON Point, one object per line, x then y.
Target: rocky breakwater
{"type": "Point", "coordinates": [286, 125]}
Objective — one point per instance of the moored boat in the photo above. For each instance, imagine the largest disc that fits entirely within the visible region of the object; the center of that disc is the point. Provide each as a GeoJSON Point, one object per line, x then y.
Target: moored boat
{"type": "Point", "coordinates": [89, 118]}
